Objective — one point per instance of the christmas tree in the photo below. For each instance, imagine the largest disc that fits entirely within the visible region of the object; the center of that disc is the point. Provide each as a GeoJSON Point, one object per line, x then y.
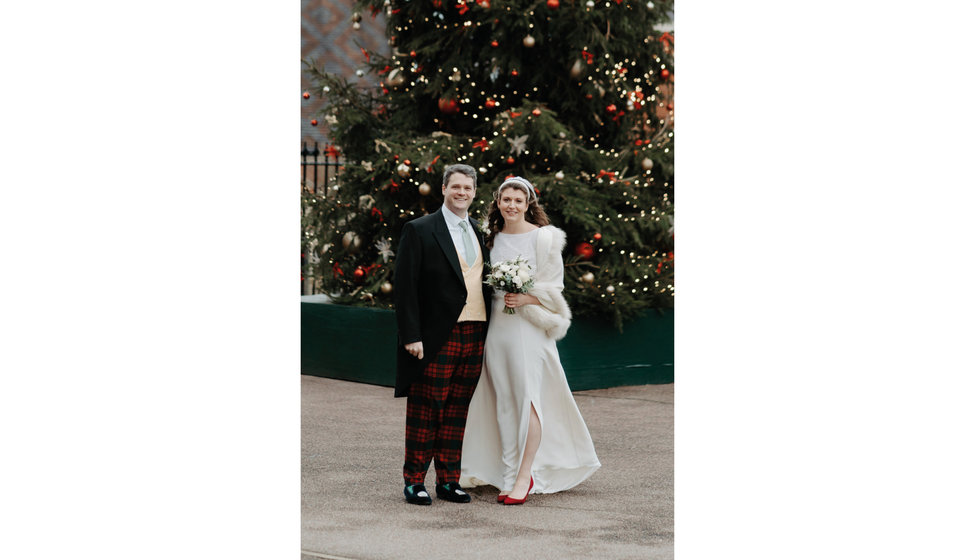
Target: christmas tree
{"type": "Point", "coordinates": [575, 96]}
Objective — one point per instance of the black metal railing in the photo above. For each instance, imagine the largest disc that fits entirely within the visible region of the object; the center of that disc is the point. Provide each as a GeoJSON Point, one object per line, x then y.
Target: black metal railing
{"type": "Point", "coordinates": [319, 167]}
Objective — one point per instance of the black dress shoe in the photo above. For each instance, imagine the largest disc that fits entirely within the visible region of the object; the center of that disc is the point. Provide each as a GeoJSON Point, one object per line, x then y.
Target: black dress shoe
{"type": "Point", "coordinates": [417, 494]}
{"type": "Point", "coordinates": [452, 492]}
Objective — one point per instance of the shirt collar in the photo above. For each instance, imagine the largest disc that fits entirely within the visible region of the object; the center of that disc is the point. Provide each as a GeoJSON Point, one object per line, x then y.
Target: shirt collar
{"type": "Point", "coordinates": [452, 220]}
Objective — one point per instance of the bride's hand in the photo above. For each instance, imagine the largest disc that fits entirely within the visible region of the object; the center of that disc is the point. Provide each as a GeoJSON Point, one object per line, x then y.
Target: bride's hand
{"type": "Point", "coordinates": [517, 300]}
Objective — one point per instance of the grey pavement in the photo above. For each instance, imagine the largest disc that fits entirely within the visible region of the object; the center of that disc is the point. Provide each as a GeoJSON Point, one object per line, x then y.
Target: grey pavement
{"type": "Point", "coordinates": [353, 507]}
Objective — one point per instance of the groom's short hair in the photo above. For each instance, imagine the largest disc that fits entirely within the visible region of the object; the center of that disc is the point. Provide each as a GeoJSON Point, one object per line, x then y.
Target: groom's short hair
{"type": "Point", "coordinates": [458, 168]}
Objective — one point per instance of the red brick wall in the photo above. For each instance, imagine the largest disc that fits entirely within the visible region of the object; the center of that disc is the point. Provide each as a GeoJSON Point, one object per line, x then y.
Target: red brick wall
{"type": "Point", "coordinates": [329, 38]}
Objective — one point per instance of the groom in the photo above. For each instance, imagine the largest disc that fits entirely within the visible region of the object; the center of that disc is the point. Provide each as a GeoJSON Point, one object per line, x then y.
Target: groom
{"type": "Point", "coordinates": [441, 306]}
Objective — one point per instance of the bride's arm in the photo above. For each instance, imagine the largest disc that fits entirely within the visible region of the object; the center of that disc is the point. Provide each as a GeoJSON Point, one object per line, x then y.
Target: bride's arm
{"type": "Point", "coordinates": [550, 279]}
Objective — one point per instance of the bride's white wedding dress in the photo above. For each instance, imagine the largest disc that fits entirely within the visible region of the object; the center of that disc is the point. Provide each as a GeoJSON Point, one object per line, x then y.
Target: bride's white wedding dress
{"type": "Point", "coordinates": [521, 367]}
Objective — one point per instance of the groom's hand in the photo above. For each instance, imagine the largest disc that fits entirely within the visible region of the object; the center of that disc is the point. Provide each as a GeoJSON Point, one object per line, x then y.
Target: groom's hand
{"type": "Point", "coordinates": [415, 349]}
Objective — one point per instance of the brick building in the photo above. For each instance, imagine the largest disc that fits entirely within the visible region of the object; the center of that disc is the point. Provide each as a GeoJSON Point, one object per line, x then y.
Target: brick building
{"type": "Point", "coordinates": [330, 40]}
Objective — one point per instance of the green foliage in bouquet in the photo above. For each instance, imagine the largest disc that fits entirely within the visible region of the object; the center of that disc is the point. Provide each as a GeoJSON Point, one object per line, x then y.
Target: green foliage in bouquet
{"type": "Point", "coordinates": [578, 99]}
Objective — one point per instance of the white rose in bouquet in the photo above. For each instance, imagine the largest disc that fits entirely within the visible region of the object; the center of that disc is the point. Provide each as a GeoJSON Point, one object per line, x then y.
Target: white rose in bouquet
{"type": "Point", "coordinates": [513, 276]}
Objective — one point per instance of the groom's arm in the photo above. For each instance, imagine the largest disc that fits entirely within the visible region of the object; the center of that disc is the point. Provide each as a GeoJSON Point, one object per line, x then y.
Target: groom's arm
{"type": "Point", "coordinates": [408, 264]}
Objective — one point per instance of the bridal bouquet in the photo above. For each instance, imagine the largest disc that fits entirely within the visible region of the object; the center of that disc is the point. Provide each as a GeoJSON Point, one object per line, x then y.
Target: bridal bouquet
{"type": "Point", "coordinates": [513, 276]}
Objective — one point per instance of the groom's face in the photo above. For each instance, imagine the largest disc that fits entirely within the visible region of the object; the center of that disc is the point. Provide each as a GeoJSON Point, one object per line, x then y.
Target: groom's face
{"type": "Point", "coordinates": [459, 193]}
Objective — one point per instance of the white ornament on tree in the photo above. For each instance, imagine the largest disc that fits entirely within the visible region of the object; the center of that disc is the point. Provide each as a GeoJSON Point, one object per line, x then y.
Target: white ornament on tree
{"type": "Point", "coordinates": [384, 249]}
{"type": "Point", "coordinates": [528, 41]}
{"type": "Point", "coordinates": [518, 144]}
{"type": "Point", "coordinates": [560, 175]}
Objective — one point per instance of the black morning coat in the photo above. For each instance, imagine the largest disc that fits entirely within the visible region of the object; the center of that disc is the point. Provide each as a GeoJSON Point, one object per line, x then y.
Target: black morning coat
{"type": "Point", "coordinates": [429, 292]}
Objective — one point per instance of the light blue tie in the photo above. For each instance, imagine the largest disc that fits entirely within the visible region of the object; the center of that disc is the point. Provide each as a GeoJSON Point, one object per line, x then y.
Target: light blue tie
{"type": "Point", "coordinates": [470, 255]}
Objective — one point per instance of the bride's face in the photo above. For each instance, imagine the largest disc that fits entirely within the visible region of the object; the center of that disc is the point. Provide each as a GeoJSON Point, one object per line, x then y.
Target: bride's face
{"type": "Point", "coordinates": [512, 204]}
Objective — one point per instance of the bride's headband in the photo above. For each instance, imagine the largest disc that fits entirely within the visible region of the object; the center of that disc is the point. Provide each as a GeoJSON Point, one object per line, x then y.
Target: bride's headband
{"type": "Point", "coordinates": [520, 182]}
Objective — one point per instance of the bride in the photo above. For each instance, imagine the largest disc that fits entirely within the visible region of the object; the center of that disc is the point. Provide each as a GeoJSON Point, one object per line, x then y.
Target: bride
{"type": "Point", "coordinates": [524, 432]}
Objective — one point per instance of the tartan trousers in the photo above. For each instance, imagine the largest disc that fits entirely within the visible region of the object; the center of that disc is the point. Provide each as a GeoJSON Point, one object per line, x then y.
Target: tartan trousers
{"type": "Point", "coordinates": [438, 402]}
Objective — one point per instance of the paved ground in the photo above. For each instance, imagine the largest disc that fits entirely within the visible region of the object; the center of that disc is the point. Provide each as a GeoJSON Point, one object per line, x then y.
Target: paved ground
{"type": "Point", "coordinates": [353, 508]}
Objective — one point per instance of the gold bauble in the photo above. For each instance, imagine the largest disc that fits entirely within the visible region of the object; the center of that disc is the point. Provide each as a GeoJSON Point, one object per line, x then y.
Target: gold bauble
{"type": "Point", "coordinates": [396, 77]}
{"type": "Point", "coordinates": [577, 69]}
{"type": "Point", "coordinates": [386, 288]}
{"type": "Point", "coordinates": [560, 175]}
{"type": "Point", "coordinates": [403, 170]}
{"type": "Point", "coordinates": [647, 164]}
{"type": "Point", "coordinates": [352, 241]}
{"type": "Point", "coordinates": [425, 189]}
{"type": "Point", "coordinates": [588, 277]}
{"type": "Point", "coordinates": [611, 289]}
{"type": "Point", "coordinates": [528, 41]}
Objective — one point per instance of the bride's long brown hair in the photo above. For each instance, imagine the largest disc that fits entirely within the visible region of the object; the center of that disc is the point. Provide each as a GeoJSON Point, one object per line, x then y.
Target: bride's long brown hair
{"type": "Point", "coordinates": [534, 214]}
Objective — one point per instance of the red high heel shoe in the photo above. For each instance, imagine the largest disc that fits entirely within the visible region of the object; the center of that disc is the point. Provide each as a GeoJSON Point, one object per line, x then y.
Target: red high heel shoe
{"type": "Point", "coordinates": [508, 501]}
{"type": "Point", "coordinates": [500, 498]}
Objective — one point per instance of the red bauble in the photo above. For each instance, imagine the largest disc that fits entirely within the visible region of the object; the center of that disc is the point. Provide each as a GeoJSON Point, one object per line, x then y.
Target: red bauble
{"type": "Point", "coordinates": [513, 72]}
{"type": "Point", "coordinates": [664, 73]}
{"type": "Point", "coordinates": [359, 274]}
{"type": "Point", "coordinates": [670, 106]}
{"type": "Point", "coordinates": [494, 43]}
{"type": "Point", "coordinates": [412, 54]}
{"type": "Point", "coordinates": [314, 122]}
{"type": "Point", "coordinates": [597, 236]}
{"type": "Point", "coordinates": [553, 4]}
{"type": "Point", "coordinates": [611, 108]}
{"type": "Point", "coordinates": [510, 160]}
{"type": "Point", "coordinates": [306, 95]}
{"type": "Point", "coordinates": [588, 96]}
{"type": "Point", "coordinates": [448, 106]}
{"type": "Point", "coordinates": [536, 112]}
{"type": "Point", "coordinates": [584, 250]}
{"type": "Point", "coordinates": [490, 104]}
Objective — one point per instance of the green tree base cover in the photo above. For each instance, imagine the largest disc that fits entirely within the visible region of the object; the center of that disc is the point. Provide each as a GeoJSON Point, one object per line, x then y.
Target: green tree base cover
{"type": "Point", "coordinates": [575, 96]}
